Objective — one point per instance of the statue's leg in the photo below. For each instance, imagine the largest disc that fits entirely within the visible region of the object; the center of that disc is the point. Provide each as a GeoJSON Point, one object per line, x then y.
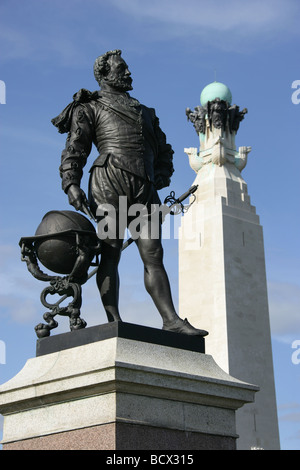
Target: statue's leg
{"type": "Point", "coordinates": [158, 286]}
{"type": "Point", "coordinates": [155, 277]}
{"type": "Point", "coordinates": [108, 278]}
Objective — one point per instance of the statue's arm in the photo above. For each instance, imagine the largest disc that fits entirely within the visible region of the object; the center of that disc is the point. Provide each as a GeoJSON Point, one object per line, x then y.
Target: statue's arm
{"type": "Point", "coordinates": [78, 147]}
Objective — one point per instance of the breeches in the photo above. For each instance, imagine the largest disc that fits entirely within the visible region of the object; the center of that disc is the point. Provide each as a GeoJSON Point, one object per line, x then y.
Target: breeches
{"type": "Point", "coordinates": [124, 200]}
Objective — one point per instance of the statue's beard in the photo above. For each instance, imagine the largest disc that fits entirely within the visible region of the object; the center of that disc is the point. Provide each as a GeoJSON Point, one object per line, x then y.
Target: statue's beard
{"type": "Point", "coordinates": [121, 83]}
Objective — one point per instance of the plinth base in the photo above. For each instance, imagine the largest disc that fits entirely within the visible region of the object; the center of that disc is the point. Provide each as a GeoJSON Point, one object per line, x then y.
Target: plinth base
{"type": "Point", "coordinates": [117, 393]}
{"type": "Point", "coordinates": [121, 329]}
{"type": "Point", "coordinates": [122, 436]}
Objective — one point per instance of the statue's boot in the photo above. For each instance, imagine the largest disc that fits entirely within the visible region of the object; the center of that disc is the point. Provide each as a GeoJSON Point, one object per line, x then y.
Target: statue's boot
{"type": "Point", "coordinates": [183, 326]}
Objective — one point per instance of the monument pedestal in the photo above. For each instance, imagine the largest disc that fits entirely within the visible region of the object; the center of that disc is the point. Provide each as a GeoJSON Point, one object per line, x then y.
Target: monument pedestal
{"type": "Point", "coordinates": [120, 386]}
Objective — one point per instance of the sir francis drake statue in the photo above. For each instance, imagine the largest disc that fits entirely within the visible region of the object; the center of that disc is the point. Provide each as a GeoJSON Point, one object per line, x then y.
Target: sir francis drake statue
{"type": "Point", "coordinates": [134, 162]}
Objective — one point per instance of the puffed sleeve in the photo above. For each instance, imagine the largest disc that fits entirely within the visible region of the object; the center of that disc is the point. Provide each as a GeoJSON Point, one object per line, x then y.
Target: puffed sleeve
{"type": "Point", "coordinates": [78, 146]}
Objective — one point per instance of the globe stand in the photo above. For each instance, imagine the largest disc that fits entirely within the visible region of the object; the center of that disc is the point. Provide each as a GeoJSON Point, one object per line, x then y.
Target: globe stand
{"type": "Point", "coordinates": [61, 249]}
{"type": "Point", "coordinates": [64, 288]}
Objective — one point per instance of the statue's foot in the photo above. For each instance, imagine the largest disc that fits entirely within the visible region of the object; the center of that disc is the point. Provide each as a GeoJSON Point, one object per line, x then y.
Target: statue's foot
{"type": "Point", "coordinates": [111, 317]}
{"type": "Point", "coordinates": [183, 327]}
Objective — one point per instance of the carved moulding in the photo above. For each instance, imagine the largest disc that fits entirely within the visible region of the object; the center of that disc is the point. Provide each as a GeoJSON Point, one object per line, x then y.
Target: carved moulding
{"type": "Point", "coordinates": [218, 155]}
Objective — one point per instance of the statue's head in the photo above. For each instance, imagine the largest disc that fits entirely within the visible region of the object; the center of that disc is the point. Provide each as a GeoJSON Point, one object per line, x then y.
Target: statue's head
{"type": "Point", "coordinates": [111, 69]}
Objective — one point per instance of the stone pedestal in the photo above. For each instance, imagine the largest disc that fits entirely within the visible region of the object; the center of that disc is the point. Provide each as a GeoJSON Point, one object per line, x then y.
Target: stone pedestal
{"type": "Point", "coordinates": [121, 386]}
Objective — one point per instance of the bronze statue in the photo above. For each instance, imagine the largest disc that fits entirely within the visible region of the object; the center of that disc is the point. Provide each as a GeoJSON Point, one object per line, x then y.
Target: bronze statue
{"type": "Point", "coordinates": [134, 162]}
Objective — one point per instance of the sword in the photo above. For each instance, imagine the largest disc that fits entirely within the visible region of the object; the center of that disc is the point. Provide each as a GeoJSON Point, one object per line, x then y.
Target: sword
{"type": "Point", "coordinates": [174, 204]}
{"type": "Point", "coordinates": [178, 202]}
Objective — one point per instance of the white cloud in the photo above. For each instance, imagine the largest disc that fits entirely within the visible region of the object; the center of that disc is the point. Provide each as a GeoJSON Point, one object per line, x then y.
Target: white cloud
{"type": "Point", "coordinates": [291, 417]}
{"type": "Point", "coordinates": [289, 406]}
{"type": "Point", "coordinates": [65, 30]}
{"type": "Point", "coordinates": [232, 16]}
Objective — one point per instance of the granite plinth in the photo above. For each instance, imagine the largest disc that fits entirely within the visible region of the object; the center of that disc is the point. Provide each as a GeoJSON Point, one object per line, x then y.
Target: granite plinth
{"type": "Point", "coordinates": [120, 393]}
{"type": "Point", "coordinates": [123, 436]}
{"type": "Point", "coordinates": [131, 331]}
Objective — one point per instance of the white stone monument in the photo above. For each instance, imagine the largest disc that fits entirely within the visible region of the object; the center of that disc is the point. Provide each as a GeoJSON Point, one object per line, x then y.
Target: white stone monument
{"type": "Point", "coordinates": [222, 278]}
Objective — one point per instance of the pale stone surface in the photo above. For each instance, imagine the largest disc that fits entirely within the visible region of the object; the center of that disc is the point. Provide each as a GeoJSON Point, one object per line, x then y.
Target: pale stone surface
{"type": "Point", "coordinates": [125, 381]}
{"type": "Point", "coordinates": [222, 280]}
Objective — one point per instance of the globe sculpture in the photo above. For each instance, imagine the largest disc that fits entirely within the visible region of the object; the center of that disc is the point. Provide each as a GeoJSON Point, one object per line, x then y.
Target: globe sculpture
{"type": "Point", "coordinates": [65, 242]}
{"type": "Point", "coordinates": [215, 90]}
{"type": "Point", "coordinates": [54, 240]}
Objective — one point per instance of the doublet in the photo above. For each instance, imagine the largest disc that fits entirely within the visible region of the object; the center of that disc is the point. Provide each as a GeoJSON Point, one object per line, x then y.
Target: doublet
{"type": "Point", "coordinates": [122, 130]}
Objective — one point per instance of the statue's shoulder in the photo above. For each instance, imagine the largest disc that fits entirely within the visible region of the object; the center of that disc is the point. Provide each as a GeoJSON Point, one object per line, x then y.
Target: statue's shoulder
{"type": "Point", "coordinates": [82, 98]}
{"type": "Point", "coordinates": [85, 96]}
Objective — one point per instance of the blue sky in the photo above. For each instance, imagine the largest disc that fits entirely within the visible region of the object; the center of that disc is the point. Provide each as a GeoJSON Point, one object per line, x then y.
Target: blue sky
{"type": "Point", "coordinates": [174, 48]}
